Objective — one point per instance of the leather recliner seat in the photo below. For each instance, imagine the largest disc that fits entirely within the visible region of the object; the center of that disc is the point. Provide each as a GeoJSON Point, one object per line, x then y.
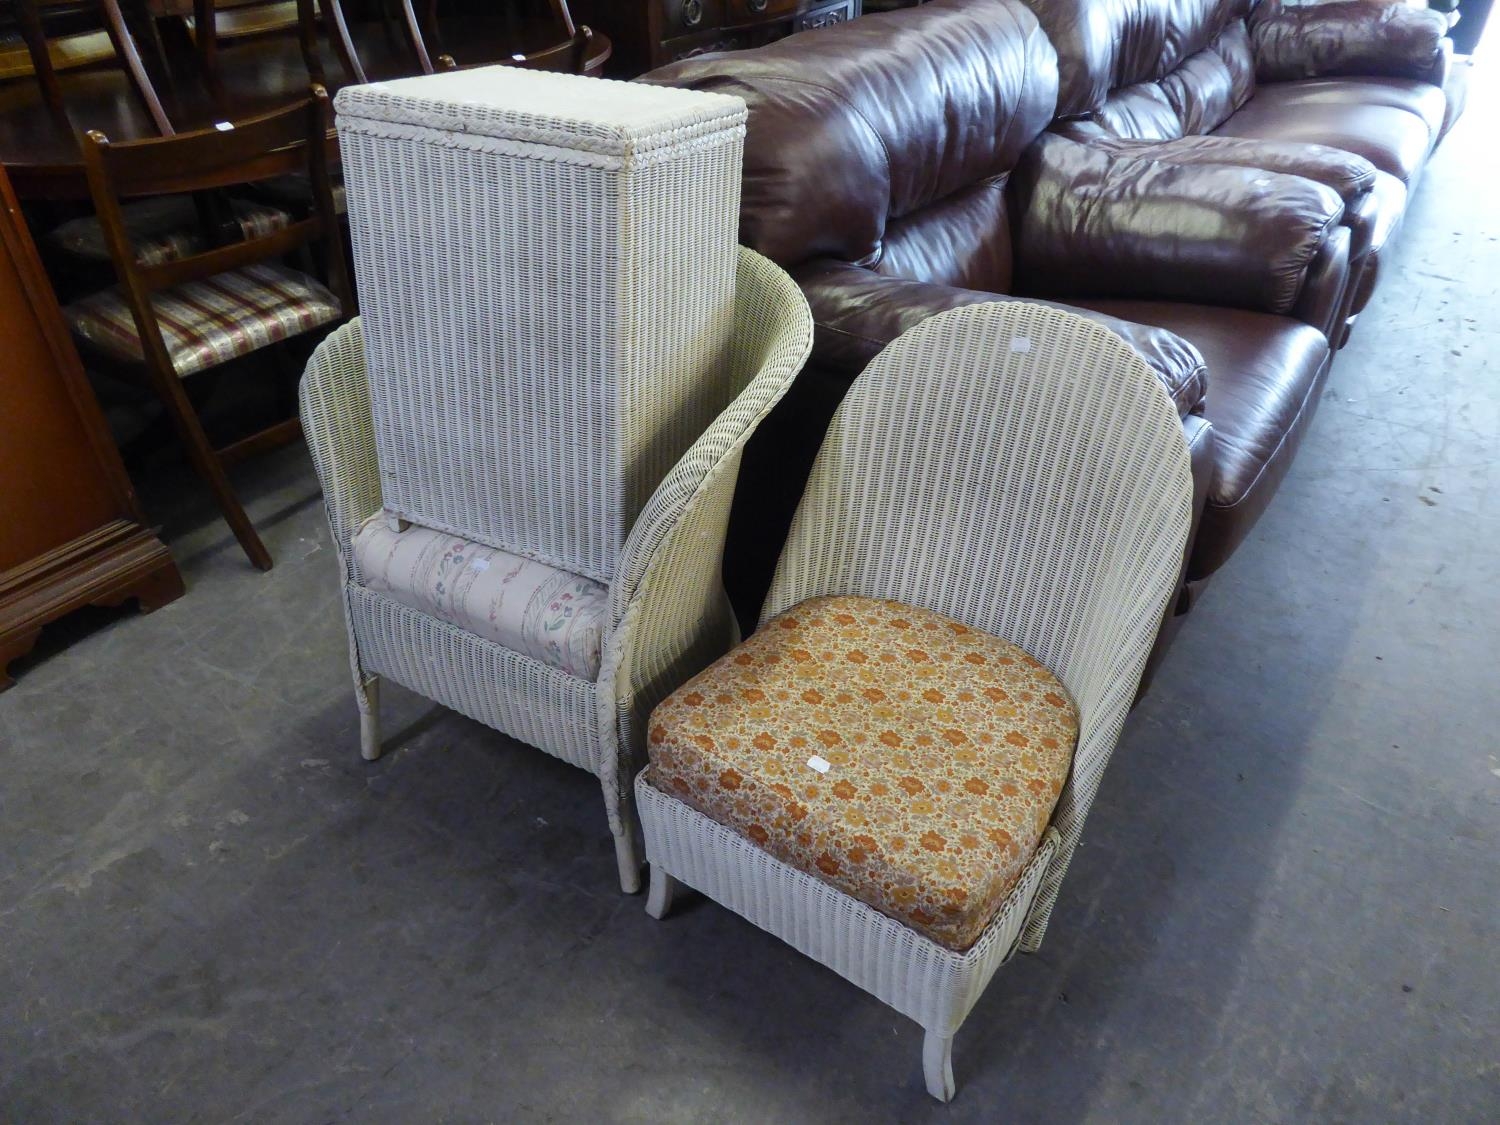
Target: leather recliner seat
{"type": "Point", "coordinates": [1279, 85]}
{"type": "Point", "coordinates": [893, 165]}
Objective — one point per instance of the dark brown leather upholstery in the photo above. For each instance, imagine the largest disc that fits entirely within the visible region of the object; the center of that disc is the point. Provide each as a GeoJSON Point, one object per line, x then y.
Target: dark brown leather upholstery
{"type": "Point", "coordinates": [1265, 376]}
{"type": "Point", "coordinates": [1350, 175]}
{"type": "Point", "coordinates": [854, 149]}
{"type": "Point", "coordinates": [1356, 37]}
{"type": "Point", "coordinates": [890, 164]}
{"type": "Point", "coordinates": [857, 313]}
{"type": "Point", "coordinates": [1364, 76]}
{"type": "Point", "coordinates": [1091, 222]}
{"type": "Point", "coordinates": [1339, 113]}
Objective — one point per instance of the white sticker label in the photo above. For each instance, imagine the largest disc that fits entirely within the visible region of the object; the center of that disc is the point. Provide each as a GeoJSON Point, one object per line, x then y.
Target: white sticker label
{"type": "Point", "coordinates": [822, 765]}
{"type": "Point", "coordinates": [224, 126]}
{"type": "Point", "coordinates": [1020, 344]}
{"type": "Point", "coordinates": [480, 564]}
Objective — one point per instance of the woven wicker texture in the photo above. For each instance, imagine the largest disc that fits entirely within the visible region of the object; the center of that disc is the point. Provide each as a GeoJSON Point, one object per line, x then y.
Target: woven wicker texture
{"type": "Point", "coordinates": [547, 266]}
{"type": "Point", "coordinates": [669, 616]}
{"type": "Point", "coordinates": [1021, 470]}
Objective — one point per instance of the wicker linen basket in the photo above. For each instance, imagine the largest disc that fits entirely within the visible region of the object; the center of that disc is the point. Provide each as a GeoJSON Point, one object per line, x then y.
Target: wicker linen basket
{"type": "Point", "coordinates": [546, 267]}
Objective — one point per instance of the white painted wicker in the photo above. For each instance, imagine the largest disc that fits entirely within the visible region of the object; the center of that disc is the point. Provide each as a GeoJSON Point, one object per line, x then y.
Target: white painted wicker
{"type": "Point", "coordinates": [1022, 470]}
{"type": "Point", "coordinates": [546, 267]}
{"type": "Point", "coordinates": [669, 614]}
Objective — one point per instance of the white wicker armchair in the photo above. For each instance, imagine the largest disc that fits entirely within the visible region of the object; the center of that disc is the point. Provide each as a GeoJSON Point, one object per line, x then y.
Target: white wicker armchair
{"type": "Point", "coordinates": [1019, 469]}
{"type": "Point", "coordinates": [668, 614]}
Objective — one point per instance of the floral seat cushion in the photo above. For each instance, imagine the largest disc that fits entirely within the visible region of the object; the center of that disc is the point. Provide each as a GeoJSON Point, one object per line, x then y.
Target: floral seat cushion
{"type": "Point", "coordinates": [206, 323]}
{"type": "Point", "coordinates": [529, 607]}
{"type": "Point", "coordinates": [906, 759]}
{"type": "Point", "coordinates": [163, 229]}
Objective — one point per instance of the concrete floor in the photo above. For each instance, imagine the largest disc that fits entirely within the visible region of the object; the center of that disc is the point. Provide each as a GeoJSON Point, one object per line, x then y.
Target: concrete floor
{"type": "Point", "coordinates": [1287, 908]}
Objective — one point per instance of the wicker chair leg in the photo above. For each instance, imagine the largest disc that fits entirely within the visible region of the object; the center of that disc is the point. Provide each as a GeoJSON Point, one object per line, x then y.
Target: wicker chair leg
{"type": "Point", "coordinates": [367, 694]}
{"type": "Point", "coordinates": [628, 858]}
{"type": "Point", "coordinates": [663, 888]}
{"type": "Point", "coordinates": [937, 1065]}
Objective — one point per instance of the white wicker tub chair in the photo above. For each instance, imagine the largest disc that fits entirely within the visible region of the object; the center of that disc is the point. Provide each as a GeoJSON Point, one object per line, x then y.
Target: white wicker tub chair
{"type": "Point", "coordinates": [650, 645]}
{"type": "Point", "coordinates": [1017, 469]}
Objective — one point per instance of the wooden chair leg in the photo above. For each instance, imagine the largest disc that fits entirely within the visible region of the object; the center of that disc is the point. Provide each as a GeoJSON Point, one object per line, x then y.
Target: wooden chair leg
{"type": "Point", "coordinates": [208, 466]}
{"type": "Point", "coordinates": [337, 30]}
{"type": "Point", "coordinates": [124, 43]}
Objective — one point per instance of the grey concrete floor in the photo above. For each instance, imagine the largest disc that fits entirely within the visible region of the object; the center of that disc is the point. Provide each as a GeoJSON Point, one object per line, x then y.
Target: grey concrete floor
{"type": "Point", "coordinates": [1287, 908]}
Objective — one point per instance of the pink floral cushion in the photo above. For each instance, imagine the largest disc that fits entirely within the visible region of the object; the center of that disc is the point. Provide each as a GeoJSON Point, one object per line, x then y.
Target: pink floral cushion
{"type": "Point", "coordinates": [206, 323]}
{"type": "Point", "coordinates": [528, 607]}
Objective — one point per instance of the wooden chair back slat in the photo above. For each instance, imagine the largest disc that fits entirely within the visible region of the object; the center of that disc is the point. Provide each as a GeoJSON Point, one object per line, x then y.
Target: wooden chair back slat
{"type": "Point", "coordinates": [152, 167]}
{"type": "Point", "coordinates": [196, 267]}
{"type": "Point", "coordinates": [285, 141]}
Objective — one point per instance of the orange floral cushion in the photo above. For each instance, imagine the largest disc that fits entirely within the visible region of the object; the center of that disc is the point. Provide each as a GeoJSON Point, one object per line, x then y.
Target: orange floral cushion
{"type": "Point", "coordinates": [908, 760]}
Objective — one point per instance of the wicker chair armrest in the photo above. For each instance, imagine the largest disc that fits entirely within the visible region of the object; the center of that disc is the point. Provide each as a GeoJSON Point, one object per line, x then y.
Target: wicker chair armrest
{"type": "Point", "coordinates": [669, 614]}
{"type": "Point", "coordinates": [335, 398]}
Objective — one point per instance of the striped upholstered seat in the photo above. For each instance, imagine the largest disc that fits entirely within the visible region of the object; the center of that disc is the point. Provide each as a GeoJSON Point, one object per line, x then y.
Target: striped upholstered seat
{"type": "Point", "coordinates": [206, 323]}
{"type": "Point", "coordinates": [163, 229]}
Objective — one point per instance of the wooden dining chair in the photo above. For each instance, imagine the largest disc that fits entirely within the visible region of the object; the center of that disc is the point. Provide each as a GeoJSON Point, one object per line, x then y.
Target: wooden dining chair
{"type": "Point", "coordinates": [565, 45]}
{"type": "Point", "coordinates": [220, 24]}
{"type": "Point", "coordinates": [62, 37]}
{"type": "Point", "coordinates": [170, 320]}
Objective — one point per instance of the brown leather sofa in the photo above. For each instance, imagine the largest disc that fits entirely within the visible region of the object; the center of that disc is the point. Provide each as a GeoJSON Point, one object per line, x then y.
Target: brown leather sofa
{"type": "Point", "coordinates": [898, 166]}
{"type": "Point", "coordinates": [1265, 86]}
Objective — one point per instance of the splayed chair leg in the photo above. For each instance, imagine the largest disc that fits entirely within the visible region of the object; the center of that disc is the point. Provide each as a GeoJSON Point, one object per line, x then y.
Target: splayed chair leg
{"type": "Point", "coordinates": [663, 888]}
{"type": "Point", "coordinates": [368, 696]}
{"type": "Point", "coordinates": [937, 1065]}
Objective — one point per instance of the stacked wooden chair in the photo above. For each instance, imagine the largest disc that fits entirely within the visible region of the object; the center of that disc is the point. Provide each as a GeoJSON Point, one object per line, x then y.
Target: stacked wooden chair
{"type": "Point", "coordinates": [550, 40]}
{"type": "Point", "coordinates": [200, 298]}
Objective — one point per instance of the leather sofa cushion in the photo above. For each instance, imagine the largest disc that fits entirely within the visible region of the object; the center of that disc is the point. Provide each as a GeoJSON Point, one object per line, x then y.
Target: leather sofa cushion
{"type": "Point", "coordinates": [1103, 45]}
{"type": "Point", "coordinates": [1349, 175]}
{"type": "Point", "coordinates": [1338, 112]}
{"type": "Point", "coordinates": [903, 757]}
{"type": "Point", "coordinates": [1264, 373]}
{"type": "Point", "coordinates": [1422, 98]}
{"type": "Point", "coordinates": [856, 313]}
{"type": "Point", "coordinates": [869, 121]}
{"type": "Point", "coordinates": [1094, 222]}
{"type": "Point", "coordinates": [1349, 37]}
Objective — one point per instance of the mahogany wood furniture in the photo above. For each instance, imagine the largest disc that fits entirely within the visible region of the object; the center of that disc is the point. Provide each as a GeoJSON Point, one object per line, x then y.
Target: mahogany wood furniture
{"type": "Point", "coordinates": [171, 320]}
{"type": "Point", "coordinates": [71, 530]}
{"type": "Point", "coordinates": [534, 34]}
{"type": "Point", "coordinates": [652, 33]}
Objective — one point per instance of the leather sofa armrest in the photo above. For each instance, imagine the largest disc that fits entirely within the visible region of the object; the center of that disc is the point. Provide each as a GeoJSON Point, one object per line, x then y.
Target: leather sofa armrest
{"type": "Point", "coordinates": [857, 312]}
{"type": "Point", "coordinates": [1350, 38]}
{"type": "Point", "coordinates": [1325, 297]}
{"type": "Point", "coordinates": [1094, 224]}
{"type": "Point", "coordinates": [1350, 175]}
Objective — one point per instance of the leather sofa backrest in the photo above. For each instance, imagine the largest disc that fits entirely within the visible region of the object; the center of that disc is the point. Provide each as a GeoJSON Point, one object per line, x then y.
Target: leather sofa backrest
{"type": "Point", "coordinates": [1152, 69]}
{"type": "Point", "coordinates": [887, 141]}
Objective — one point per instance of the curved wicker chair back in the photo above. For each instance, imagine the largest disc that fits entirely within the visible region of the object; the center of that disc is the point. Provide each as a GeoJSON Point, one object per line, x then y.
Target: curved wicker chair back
{"type": "Point", "coordinates": [1022, 470]}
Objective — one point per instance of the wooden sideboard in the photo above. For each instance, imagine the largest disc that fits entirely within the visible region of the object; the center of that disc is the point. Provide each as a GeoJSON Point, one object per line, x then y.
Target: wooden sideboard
{"type": "Point", "coordinates": [71, 530]}
{"type": "Point", "coordinates": [652, 33]}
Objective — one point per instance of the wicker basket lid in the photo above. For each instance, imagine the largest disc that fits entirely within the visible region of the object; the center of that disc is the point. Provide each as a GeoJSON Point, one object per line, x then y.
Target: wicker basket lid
{"type": "Point", "coordinates": [622, 119]}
